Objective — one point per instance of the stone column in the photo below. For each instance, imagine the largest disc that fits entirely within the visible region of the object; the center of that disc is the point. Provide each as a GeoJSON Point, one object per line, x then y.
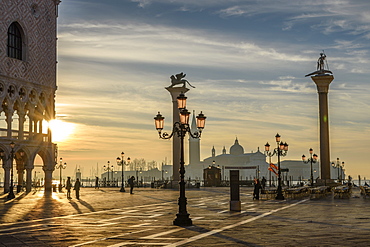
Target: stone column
{"type": "Point", "coordinates": [21, 120]}
{"type": "Point", "coordinates": [48, 179]}
{"type": "Point", "coordinates": [20, 173]}
{"type": "Point", "coordinates": [6, 178]}
{"type": "Point", "coordinates": [175, 92]}
{"type": "Point", "coordinates": [322, 82]}
{"type": "Point", "coordinates": [9, 120]}
{"type": "Point", "coordinates": [29, 179]}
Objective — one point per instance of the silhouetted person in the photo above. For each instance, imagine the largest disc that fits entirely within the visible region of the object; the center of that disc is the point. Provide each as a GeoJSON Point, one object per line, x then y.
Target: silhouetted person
{"type": "Point", "coordinates": [77, 188]}
{"type": "Point", "coordinates": [256, 191]}
{"type": "Point", "coordinates": [97, 183]}
{"type": "Point", "coordinates": [68, 187]}
{"type": "Point", "coordinates": [131, 182]}
{"type": "Point", "coordinates": [263, 182]}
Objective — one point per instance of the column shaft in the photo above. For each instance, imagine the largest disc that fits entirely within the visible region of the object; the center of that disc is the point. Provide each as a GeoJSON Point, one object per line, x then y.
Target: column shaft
{"type": "Point", "coordinates": [322, 82]}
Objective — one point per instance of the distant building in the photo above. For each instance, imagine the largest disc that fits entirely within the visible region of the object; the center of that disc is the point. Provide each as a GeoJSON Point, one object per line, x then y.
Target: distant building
{"type": "Point", "coordinates": [250, 165]}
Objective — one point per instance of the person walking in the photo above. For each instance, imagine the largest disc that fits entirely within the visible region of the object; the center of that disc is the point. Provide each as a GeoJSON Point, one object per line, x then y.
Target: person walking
{"type": "Point", "coordinates": [97, 183]}
{"type": "Point", "coordinates": [131, 182]}
{"type": "Point", "coordinates": [256, 191]}
{"type": "Point", "coordinates": [68, 187]}
{"type": "Point", "coordinates": [77, 188]}
{"type": "Point", "coordinates": [263, 182]}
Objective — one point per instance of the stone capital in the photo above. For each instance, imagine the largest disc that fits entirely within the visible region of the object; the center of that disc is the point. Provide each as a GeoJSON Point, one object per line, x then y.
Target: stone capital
{"type": "Point", "coordinates": [322, 82]}
{"type": "Point", "coordinates": [175, 92]}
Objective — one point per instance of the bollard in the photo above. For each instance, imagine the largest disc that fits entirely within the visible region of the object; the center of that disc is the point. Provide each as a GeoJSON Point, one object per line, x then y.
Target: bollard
{"type": "Point", "coordinates": [235, 204]}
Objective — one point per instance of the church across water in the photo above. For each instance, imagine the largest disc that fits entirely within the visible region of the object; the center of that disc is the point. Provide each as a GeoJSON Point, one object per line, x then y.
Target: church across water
{"type": "Point", "coordinates": [250, 165]}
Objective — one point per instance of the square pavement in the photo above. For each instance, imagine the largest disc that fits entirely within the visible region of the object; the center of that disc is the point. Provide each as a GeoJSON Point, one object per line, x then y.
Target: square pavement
{"type": "Point", "coordinates": [107, 217]}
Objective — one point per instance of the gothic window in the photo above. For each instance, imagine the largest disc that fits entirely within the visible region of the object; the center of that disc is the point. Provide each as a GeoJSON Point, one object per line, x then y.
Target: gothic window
{"type": "Point", "coordinates": [15, 41]}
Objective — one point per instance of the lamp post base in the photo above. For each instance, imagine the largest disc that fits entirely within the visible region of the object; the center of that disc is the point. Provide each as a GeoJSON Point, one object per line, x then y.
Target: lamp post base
{"type": "Point", "coordinates": [11, 193]}
{"type": "Point", "coordinates": [60, 187]}
{"type": "Point", "coordinates": [122, 189]}
{"type": "Point", "coordinates": [280, 197]}
{"type": "Point", "coordinates": [183, 220]}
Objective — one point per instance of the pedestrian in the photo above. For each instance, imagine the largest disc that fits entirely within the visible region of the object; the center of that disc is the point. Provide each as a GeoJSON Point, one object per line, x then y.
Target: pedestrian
{"type": "Point", "coordinates": [97, 183]}
{"type": "Point", "coordinates": [77, 188]}
{"type": "Point", "coordinates": [263, 182]}
{"type": "Point", "coordinates": [256, 191]}
{"type": "Point", "coordinates": [68, 187]}
{"type": "Point", "coordinates": [131, 183]}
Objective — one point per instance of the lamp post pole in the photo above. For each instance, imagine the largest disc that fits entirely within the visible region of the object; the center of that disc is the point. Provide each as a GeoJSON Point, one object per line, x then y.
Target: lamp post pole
{"type": "Point", "coordinates": [122, 162]}
{"type": "Point", "coordinates": [280, 150]}
{"type": "Point", "coordinates": [108, 168]}
{"type": "Point", "coordinates": [60, 167]}
{"type": "Point", "coordinates": [339, 168]}
{"type": "Point", "coordinates": [180, 129]}
{"type": "Point", "coordinates": [312, 159]}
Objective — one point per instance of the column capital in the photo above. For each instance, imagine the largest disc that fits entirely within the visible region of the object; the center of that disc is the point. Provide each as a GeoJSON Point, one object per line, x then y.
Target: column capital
{"type": "Point", "coordinates": [322, 82]}
{"type": "Point", "coordinates": [175, 92]}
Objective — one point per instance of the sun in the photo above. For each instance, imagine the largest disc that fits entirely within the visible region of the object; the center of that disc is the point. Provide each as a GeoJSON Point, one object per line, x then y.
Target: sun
{"type": "Point", "coordinates": [60, 130]}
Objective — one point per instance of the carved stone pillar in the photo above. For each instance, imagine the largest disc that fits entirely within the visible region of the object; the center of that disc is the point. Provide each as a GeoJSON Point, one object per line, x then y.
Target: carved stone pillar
{"type": "Point", "coordinates": [30, 123]}
{"type": "Point", "coordinates": [20, 173]}
{"type": "Point", "coordinates": [28, 179]}
{"type": "Point", "coordinates": [22, 118]}
{"type": "Point", "coordinates": [48, 178]}
{"type": "Point", "coordinates": [9, 120]}
{"type": "Point", "coordinates": [6, 178]}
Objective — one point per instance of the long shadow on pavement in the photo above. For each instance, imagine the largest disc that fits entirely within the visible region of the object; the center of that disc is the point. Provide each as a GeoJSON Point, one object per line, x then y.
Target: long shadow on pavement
{"type": "Point", "coordinates": [202, 230]}
{"type": "Point", "coordinates": [5, 207]}
{"type": "Point", "coordinates": [75, 206]}
{"type": "Point", "coordinates": [83, 203]}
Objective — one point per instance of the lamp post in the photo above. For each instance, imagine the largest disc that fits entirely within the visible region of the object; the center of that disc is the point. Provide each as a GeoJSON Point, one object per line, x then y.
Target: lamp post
{"type": "Point", "coordinates": [108, 168]}
{"type": "Point", "coordinates": [122, 162]}
{"type": "Point", "coordinates": [312, 159]}
{"type": "Point", "coordinates": [180, 129]}
{"type": "Point", "coordinates": [339, 167]}
{"type": "Point", "coordinates": [60, 167]}
{"type": "Point", "coordinates": [11, 157]}
{"type": "Point", "coordinates": [280, 150]}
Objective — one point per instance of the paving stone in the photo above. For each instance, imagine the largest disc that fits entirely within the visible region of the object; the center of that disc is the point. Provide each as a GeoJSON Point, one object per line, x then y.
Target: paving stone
{"type": "Point", "coordinates": [104, 217]}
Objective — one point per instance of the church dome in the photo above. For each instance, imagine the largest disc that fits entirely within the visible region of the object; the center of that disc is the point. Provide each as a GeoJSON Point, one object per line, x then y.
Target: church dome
{"type": "Point", "coordinates": [236, 149]}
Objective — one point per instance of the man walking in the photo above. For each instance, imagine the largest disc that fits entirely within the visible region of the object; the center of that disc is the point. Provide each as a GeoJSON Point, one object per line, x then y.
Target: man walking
{"type": "Point", "coordinates": [131, 183]}
{"type": "Point", "coordinates": [77, 188]}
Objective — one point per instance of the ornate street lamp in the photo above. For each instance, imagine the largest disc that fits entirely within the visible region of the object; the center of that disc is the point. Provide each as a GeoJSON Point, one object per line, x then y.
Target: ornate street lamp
{"type": "Point", "coordinates": [11, 157]}
{"type": "Point", "coordinates": [60, 167]}
{"type": "Point", "coordinates": [339, 167]}
{"type": "Point", "coordinates": [181, 128]}
{"type": "Point", "coordinates": [280, 150]}
{"type": "Point", "coordinates": [312, 159]}
{"type": "Point", "coordinates": [122, 162]}
{"type": "Point", "coordinates": [108, 168]}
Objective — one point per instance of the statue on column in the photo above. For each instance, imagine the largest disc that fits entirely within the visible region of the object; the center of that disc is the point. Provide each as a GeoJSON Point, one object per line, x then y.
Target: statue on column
{"type": "Point", "coordinates": [179, 79]}
{"type": "Point", "coordinates": [321, 66]}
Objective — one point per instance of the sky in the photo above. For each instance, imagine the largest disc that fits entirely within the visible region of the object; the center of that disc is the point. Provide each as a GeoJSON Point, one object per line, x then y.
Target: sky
{"type": "Point", "coordinates": [247, 59]}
